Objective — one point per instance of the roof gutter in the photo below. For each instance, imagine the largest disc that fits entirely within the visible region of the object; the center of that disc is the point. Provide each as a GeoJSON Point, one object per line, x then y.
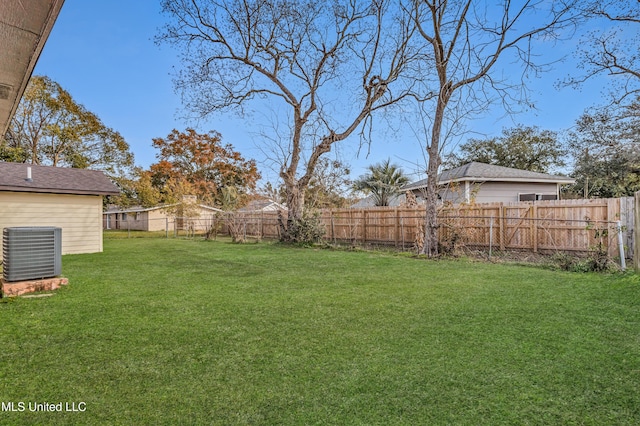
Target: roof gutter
{"type": "Point", "coordinates": [56, 191]}
{"type": "Point", "coordinates": [565, 181]}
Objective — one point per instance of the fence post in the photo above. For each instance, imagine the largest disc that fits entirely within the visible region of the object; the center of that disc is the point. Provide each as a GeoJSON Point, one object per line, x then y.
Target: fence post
{"type": "Point", "coordinates": [534, 227]}
{"type": "Point", "coordinates": [352, 228]}
{"type": "Point", "coordinates": [490, 235]}
{"type": "Point", "coordinates": [364, 227]}
{"type": "Point", "coordinates": [501, 225]}
{"type": "Point", "coordinates": [166, 227]}
{"type": "Point", "coordinates": [636, 231]}
{"type": "Point", "coordinates": [626, 215]}
{"type": "Point", "coordinates": [613, 214]}
{"type": "Point", "coordinates": [623, 262]}
{"type": "Point", "coordinates": [261, 224]}
{"type": "Point", "coordinates": [333, 231]}
{"type": "Point", "coordinates": [396, 227]}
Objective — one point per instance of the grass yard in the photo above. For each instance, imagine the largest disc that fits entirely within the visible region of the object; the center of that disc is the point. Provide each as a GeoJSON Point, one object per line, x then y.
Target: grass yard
{"type": "Point", "coordinates": [156, 331]}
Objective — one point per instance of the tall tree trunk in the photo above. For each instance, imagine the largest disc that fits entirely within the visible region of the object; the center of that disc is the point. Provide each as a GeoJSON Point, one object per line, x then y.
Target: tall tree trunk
{"type": "Point", "coordinates": [431, 197]}
{"type": "Point", "coordinates": [295, 204]}
{"type": "Point", "coordinates": [431, 215]}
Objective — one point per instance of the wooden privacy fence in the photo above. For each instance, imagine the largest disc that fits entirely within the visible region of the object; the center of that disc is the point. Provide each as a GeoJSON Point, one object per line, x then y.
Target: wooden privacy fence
{"type": "Point", "coordinates": [543, 226]}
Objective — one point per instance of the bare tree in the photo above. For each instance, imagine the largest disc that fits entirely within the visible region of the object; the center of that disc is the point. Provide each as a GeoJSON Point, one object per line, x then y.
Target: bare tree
{"type": "Point", "coordinates": [612, 51]}
{"type": "Point", "coordinates": [466, 39]}
{"type": "Point", "coordinates": [327, 65]}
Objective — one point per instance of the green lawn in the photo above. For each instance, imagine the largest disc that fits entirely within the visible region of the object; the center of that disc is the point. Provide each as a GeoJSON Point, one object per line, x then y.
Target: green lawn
{"type": "Point", "coordinates": [156, 331]}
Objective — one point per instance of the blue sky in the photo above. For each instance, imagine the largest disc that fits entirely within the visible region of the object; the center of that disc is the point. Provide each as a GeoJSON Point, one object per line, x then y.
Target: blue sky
{"type": "Point", "coordinates": [103, 53]}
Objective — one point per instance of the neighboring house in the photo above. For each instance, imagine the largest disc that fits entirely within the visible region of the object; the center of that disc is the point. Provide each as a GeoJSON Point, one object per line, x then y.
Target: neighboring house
{"type": "Point", "coordinates": [199, 217]}
{"type": "Point", "coordinates": [70, 199]}
{"type": "Point", "coordinates": [265, 205]}
{"type": "Point", "coordinates": [485, 183]}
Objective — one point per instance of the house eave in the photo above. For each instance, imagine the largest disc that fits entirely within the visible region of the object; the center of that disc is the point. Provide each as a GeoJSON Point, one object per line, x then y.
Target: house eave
{"type": "Point", "coordinates": [24, 29]}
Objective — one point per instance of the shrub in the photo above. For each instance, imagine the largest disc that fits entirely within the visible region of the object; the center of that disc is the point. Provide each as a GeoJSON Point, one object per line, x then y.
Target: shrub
{"type": "Point", "coordinates": [564, 261]}
{"type": "Point", "coordinates": [596, 261]}
{"type": "Point", "coordinates": [306, 230]}
{"type": "Point", "coordinates": [236, 227]}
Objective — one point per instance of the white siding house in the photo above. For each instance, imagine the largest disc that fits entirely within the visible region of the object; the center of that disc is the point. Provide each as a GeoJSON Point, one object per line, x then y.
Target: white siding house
{"type": "Point", "coordinates": [70, 199]}
{"type": "Point", "coordinates": [485, 183]}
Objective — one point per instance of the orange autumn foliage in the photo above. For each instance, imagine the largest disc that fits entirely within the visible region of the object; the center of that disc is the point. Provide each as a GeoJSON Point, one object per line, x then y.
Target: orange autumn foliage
{"type": "Point", "coordinates": [201, 164]}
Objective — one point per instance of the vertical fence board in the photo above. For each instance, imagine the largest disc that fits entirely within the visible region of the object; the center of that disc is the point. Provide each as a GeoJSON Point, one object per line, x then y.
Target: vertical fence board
{"type": "Point", "coordinates": [613, 215]}
{"type": "Point", "coordinates": [627, 221]}
{"type": "Point", "coordinates": [636, 224]}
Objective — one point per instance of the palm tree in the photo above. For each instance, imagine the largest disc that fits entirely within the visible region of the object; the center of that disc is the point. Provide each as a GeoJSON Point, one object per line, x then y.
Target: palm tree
{"type": "Point", "coordinates": [383, 181]}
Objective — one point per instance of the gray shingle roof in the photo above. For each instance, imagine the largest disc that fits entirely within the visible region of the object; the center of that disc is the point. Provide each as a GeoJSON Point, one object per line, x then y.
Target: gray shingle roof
{"type": "Point", "coordinates": [54, 180]}
{"type": "Point", "coordinates": [476, 172]}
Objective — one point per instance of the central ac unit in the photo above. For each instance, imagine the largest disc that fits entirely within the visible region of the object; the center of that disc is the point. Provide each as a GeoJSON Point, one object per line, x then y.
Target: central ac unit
{"type": "Point", "coordinates": [31, 253]}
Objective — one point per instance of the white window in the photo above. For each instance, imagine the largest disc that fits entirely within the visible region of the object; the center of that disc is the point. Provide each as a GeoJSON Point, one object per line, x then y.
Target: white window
{"type": "Point", "coordinates": [537, 197]}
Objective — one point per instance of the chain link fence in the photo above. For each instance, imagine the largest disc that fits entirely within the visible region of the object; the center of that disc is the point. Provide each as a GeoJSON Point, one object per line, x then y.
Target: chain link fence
{"type": "Point", "coordinates": [163, 227]}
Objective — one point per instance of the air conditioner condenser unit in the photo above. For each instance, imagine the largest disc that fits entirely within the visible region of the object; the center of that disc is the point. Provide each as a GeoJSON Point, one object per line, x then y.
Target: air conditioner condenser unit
{"type": "Point", "coordinates": [31, 253]}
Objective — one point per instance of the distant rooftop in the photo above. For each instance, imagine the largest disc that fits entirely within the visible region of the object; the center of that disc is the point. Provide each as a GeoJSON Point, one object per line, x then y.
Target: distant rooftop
{"type": "Point", "coordinates": [55, 180]}
{"type": "Point", "coordinates": [481, 172]}
{"type": "Point", "coordinates": [262, 205]}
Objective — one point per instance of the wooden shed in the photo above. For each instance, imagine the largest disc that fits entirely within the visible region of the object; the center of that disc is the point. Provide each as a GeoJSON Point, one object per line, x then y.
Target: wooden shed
{"type": "Point", "coordinates": [70, 199]}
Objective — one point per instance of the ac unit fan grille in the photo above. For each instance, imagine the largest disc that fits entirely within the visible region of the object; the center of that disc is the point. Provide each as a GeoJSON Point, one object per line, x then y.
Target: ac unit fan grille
{"type": "Point", "coordinates": [31, 253]}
